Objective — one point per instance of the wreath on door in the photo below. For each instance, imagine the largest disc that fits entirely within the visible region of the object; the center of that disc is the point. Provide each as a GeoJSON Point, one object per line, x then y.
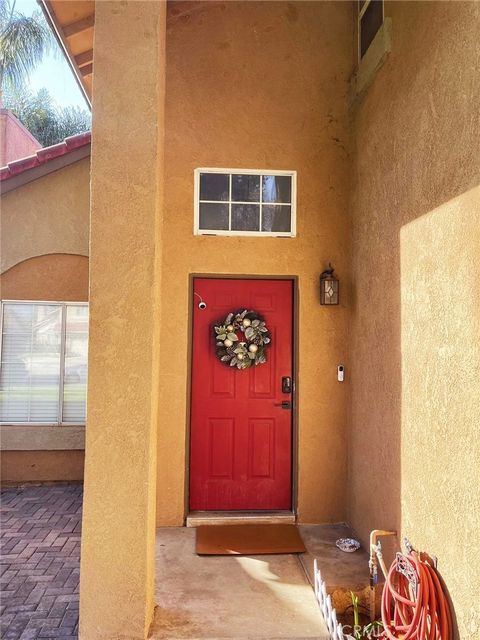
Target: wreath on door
{"type": "Point", "coordinates": [241, 339]}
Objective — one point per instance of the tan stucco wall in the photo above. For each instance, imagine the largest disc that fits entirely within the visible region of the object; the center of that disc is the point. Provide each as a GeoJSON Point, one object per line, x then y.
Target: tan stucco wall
{"type": "Point", "coordinates": [60, 277]}
{"type": "Point", "coordinates": [41, 466]}
{"type": "Point", "coordinates": [44, 248]}
{"type": "Point", "coordinates": [14, 437]}
{"type": "Point", "coordinates": [414, 450]}
{"type": "Point", "coordinates": [47, 215]}
{"type": "Point", "coordinates": [440, 444]}
{"type": "Point", "coordinates": [118, 529]}
{"type": "Point", "coordinates": [261, 85]}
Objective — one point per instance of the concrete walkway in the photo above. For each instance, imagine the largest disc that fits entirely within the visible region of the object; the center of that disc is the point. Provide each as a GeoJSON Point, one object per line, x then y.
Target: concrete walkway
{"type": "Point", "coordinates": [220, 597]}
{"type": "Point", "coordinates": [202, 598]}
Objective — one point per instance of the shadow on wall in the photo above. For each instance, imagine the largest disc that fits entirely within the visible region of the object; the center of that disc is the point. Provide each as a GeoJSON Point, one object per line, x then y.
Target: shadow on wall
{"type": "Point", "coordinates": [414, 327]}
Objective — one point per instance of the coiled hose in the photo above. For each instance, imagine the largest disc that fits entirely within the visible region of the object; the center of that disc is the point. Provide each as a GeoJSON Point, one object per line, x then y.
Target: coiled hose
{"type": "Point", "coordinates": [421, 616]}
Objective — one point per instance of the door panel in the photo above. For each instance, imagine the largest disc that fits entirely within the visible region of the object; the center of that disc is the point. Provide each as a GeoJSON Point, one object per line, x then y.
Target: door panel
{"type": "Point", "coordinates": [241, 438]}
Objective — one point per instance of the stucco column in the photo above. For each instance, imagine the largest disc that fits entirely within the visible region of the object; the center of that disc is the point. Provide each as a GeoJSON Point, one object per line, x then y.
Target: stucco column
{"type": "Point", "coordinates": [118, 537]}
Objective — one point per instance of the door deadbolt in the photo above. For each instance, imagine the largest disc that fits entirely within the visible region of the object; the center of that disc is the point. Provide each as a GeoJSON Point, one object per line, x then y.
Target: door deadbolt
{"type": "Point", "coordinates": [286, 384]}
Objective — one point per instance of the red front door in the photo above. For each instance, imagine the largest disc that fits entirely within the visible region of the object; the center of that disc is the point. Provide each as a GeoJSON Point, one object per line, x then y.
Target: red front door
{"type": "Point", "coordinates": [241, 436]}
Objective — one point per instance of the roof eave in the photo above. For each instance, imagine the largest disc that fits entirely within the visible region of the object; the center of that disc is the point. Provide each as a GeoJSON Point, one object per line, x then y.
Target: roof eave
{"type": "Point", "coordinates": [58, 32]}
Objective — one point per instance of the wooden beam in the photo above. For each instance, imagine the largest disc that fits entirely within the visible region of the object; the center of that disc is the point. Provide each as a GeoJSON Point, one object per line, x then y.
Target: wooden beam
{"type": "Point", "coordinates": [86, 71]}
{"type": "Point", "coordinates": [78, 26]}
{"type": "Point", "coordinates": [84, 58]}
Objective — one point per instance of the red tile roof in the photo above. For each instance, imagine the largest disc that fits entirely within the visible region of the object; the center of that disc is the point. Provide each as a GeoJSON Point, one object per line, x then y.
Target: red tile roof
{"type": "Point", "coordinates": [42, 156]}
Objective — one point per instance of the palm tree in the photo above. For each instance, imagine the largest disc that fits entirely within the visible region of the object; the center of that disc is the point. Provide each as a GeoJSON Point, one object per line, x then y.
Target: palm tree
{"type": "Point", "coordinates": [24, 40]}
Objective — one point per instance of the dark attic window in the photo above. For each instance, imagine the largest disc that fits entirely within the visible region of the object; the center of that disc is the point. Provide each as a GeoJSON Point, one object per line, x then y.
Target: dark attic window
{"type": "Point", "coordinates": [370, 19]}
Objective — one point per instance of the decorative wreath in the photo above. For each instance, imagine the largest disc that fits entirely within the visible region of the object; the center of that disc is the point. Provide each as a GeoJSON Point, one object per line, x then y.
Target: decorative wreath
{"type": "Point", "coordinates": [241, 339]}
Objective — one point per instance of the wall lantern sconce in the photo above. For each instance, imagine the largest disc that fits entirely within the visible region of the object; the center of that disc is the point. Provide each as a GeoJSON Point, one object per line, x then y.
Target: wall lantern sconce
{"type": "Point", "coordinates": [328, 286]}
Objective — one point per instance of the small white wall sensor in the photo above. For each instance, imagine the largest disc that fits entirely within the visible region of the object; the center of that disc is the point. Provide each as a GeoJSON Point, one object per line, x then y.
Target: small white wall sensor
{"type": "Point", "coordinates": [340, 373]}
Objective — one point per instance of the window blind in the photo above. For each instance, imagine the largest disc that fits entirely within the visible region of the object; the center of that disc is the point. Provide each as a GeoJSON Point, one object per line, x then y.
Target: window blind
{"type": "Point", "coordinates": [75, 366]}
{"type": "Point", "coordinates": [35, 341]}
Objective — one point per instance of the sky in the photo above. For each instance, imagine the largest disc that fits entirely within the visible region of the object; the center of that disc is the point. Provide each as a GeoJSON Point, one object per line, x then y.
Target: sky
{"type": "Point", "coordinates": [54, 72]}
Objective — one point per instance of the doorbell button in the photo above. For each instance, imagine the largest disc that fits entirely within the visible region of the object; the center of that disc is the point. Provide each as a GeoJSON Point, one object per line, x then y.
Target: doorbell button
{"type": "Point", "coordinates": [340, 373]}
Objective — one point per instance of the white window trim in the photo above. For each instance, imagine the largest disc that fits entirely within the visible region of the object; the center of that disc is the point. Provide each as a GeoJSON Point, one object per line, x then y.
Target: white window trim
{"type": "Point", "coordinates": [64, 304]}
{"type": "Point", "coordinates": [359, 27]}
{"type": "Point", "coordinates": [256, 172]}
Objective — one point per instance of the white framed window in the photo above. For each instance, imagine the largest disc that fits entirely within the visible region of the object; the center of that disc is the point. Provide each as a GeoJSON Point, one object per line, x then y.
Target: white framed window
{"type": "Point", "coordinates": [43, 362]}
{"type": "Point", "coordinates": [245, 202]}
{"type": "Point", "coordinates": [371, 14]}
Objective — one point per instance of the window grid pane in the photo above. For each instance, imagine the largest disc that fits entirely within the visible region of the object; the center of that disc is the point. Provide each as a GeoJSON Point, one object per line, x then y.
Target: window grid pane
{"type": "Point", "coordinates": [245, 217]}
{"type": "Point", "coordinates": [245, 188]}
{"type": "Point", "coordinates": [31, 364]}
{"type": "Point", "coordinates": [214, 215]}
{"type": "Point", "coordinates": [247, 195]}
{"type": "Point", "coordinates": [277, 217]}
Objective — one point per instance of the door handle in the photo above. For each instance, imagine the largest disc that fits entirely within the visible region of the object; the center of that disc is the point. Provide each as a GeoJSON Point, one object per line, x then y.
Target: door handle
{"type": "Point", "coordinates": [286, 404]}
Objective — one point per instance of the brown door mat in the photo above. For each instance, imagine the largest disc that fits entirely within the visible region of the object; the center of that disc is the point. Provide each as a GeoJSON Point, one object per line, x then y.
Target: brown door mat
{"type": "Point", "coordinates": [248, 539]}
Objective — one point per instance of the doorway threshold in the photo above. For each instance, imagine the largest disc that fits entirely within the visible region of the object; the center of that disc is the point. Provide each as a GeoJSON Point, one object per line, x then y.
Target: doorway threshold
{"type": "Point", "coordinates": [198, 518]}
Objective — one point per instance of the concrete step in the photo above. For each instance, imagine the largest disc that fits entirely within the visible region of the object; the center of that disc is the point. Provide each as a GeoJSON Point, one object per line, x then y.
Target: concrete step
{"type": "Point", "coordinates": [199, 518]}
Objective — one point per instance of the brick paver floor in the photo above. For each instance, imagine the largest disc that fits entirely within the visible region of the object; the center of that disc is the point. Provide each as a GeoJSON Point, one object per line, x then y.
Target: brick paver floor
{"type": "Point", "coordinates": [40, 556]}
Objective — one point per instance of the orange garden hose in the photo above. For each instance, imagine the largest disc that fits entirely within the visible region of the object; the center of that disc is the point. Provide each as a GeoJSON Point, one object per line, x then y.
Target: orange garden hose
{"type": "Point", "coordinates": [420, 613]}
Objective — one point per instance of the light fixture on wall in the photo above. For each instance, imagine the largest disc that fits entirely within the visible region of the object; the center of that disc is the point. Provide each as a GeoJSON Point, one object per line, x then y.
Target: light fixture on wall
{"type": "Point", "coordinates": [329, 286]}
